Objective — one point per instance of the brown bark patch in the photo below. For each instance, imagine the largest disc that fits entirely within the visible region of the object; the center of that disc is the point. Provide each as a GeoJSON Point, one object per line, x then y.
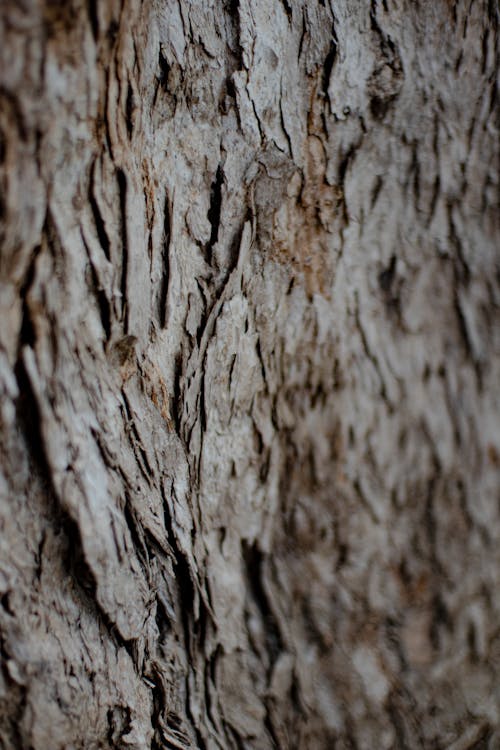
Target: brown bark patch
{"type": "Point", "coordinates": [298, 211]}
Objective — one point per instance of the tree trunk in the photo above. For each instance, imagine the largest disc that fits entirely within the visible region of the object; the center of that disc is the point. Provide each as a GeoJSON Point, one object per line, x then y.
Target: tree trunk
{"type": "Point", "coordinates": [249, 367]}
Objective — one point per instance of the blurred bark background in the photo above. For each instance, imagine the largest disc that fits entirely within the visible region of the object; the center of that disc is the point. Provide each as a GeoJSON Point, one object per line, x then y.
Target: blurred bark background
{"type": "Point", "coordinates": [249, 368]}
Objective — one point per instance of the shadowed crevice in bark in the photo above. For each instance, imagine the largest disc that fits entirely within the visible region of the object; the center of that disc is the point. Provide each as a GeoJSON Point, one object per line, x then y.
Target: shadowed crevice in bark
{"type": "Point", "coordinates": [129, 109]}
{"type": "Point", "coordinates": [28, 415]}
{"type": "Point", "coordinates": [214, 212]}
{"type": "Point", "coordinates": [122, 190]}
{"type": "Point", "coordinates": [329, 63]}
{"type": "Point", "coordinates": [165, 278]}
{"type": "Point", "coordinates": [93, 17]}
{"type": "Point", "coordinates": [255, 570]}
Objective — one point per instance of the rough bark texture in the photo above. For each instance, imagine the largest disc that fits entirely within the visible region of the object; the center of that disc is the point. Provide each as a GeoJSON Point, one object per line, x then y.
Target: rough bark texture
{"type": "Point", "coordinates": [249, 367]}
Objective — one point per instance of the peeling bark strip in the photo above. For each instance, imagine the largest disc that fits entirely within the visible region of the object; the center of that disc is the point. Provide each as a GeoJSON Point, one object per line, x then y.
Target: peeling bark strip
{"type": "Point", "coordinates": [249, 361]}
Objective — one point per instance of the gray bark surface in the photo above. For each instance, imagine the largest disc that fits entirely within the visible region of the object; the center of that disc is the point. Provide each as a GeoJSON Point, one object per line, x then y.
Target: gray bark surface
{"type": "Point", "coordinates": [249, 368]}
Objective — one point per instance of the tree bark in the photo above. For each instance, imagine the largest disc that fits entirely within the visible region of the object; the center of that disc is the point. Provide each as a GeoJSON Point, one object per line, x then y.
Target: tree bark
{"type": "Point", "coordinates": [249, 367]}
